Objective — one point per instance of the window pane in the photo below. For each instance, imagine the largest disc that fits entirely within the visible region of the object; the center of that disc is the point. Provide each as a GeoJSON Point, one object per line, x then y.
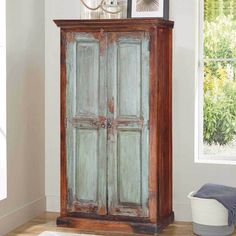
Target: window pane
{"type": "Point", "coordinates": [220, 79]}
{"type": "Point", "coordinates": [2, 102]}
{"type": "Point", "coordinates": [220, 109]}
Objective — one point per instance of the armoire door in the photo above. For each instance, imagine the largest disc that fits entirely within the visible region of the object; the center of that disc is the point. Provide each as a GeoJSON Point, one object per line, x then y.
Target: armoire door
{"type": "Point", "coordinates": [86, 134]}
{"type": "Point", "coordinates": [128, 119]}
{"type": "Point", "coordinates": [107, 123]}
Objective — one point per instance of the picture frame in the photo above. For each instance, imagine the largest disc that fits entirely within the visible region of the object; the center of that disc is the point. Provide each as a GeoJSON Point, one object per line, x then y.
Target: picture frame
{"type": "Point", "coordinates": [148, 8]}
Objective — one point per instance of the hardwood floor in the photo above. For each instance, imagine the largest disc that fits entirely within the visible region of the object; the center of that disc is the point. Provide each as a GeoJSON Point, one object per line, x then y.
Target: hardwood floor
{"type": "Point", "coordinates": [46, 222]}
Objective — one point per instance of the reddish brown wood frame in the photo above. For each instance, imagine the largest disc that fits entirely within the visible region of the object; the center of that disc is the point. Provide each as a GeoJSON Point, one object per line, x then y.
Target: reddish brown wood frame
{"type": "Point", "coordinates": [160, 165]}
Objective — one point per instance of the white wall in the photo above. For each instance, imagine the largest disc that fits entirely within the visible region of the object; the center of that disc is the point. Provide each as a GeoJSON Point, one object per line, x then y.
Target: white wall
{"type": "Point", "coordinates": [25, 113]}
{"type": "Point", "coordinates": [187, 175]}
{"type": "Point", "coordinates": [54, 9]}
{"type": "Point", "coordinates": [2, 101]}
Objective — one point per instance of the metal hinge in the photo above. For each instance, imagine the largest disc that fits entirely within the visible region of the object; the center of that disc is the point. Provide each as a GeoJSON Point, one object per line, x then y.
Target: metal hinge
{"type": "Point", "coordinates": [148, 125]}
{"type": "Point", "coordinates": [66, 122]}
{"type": "Point", "coordinates": [149, 46]}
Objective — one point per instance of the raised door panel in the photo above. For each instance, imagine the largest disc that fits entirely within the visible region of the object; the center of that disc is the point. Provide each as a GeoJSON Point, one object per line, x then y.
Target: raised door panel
{"type": "Point", "coordinates": [87, 86]}
{"type": "Point", "coordinates": [129, 165]}
{"type": "Point", "coordinates": [128, 115]}
{"type": "Point", "coordinates": [129, 94]}
{"type": "Point", "coordinates": [86, 114]}
{"type": "Point", "coordinates": [87, 165]}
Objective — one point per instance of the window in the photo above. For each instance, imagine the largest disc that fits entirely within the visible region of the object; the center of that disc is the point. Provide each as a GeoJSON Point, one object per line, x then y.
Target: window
{"type": "Point", "coordinates": [217, 87]}
{"type": "Point", "coordinates": [2, 101]}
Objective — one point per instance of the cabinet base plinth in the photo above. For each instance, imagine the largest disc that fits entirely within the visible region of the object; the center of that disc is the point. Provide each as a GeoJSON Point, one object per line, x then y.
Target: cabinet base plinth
{"type": "Point", "coordinates": [114, 226]}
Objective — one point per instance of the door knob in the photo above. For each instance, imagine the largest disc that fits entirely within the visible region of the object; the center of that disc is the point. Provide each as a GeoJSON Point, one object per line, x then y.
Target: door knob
{"type": "Point", "coordinates": [109, 124]}
{"type": "Point", "coordinates": [103, 125]}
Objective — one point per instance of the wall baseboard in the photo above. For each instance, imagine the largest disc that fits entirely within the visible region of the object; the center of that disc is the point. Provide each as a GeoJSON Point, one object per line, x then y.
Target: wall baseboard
{"type": "Point", "coordinates": [53, 203]}
{"type": "Point", "coordinates": [182, 212]}
{"type": "Point", "coordinates": [21, 215]}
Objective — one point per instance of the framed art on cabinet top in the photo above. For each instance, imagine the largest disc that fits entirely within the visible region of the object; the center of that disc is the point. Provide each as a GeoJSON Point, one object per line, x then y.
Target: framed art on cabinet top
{"type": "Point", "coordinates": [148, 8]}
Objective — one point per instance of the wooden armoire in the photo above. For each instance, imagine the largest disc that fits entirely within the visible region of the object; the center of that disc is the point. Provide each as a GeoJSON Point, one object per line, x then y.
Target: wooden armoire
{"type": "Point", "coordinates": [116, 125]}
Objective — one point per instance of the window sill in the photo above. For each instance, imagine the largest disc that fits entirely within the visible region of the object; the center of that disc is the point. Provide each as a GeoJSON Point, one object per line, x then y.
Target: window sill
{"type": "Point", "coordinates": [208, 159]}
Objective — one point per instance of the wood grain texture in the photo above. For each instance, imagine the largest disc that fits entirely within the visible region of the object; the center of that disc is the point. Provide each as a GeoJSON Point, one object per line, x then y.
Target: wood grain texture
{"type": "Point", "coordinates": [63, 190]}
{"type": "Point", "coordinates": [129, 24]}
{"type": "Point", "coordinates": [155, 58]}
{"type": "Point", "coordinates": [114, 226]}
{"type": "Point", "coordinates": [165, 128]}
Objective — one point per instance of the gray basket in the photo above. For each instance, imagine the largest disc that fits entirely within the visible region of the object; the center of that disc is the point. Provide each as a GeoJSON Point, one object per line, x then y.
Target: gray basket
{"type": "Point", "coordinates": [207, 230]}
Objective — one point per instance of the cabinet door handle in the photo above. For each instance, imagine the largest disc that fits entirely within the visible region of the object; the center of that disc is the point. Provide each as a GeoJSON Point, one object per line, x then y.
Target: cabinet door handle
{"type": "Point", "coordinates": [103, 125]}
{"type": "Point", "coordinates": [109, 125]}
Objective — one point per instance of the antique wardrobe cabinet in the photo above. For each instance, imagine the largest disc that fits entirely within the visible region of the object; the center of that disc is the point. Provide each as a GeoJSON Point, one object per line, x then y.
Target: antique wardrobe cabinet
{"type": "Point", "coordinates": [116, 135]}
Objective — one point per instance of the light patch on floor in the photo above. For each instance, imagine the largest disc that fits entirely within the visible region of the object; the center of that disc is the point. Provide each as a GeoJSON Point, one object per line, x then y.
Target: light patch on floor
{"type": "Point", "coordinates": [50, 233]}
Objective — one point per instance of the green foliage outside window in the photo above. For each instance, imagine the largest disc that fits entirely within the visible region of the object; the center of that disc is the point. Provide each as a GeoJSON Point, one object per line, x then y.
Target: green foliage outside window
{"type": "Point", "coordinates": [219, 78]}
{"type": "Point", "coordinates": [215, 8]}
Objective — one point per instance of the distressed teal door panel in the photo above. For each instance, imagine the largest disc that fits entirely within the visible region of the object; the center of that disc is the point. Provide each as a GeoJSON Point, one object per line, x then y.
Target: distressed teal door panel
{"type": "Point", "coordinates": [129, 167]}
{"type": "Point", "coordinates": [87, 165]}
{"type": "Point", "coordinates": [128, 115]}
{"type": "Point", "coordinates": [86, 114]}
{"type": "Point", "coordinates": [87, 69]}
{"type": "Point", "coordinates": [107, 123]}
{"type": "Point", "coordinates": [129, 88]}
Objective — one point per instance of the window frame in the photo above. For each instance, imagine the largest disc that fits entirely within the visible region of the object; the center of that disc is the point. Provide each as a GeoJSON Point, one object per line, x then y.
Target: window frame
{"type": "Point", "coordinates": [3, 149]}
{"type": "Point", "coordinates": [200, 157]}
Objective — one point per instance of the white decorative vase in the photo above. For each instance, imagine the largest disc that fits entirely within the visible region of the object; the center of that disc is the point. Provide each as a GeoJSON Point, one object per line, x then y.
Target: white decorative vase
{"type": "Point", "coordinates": [86, 13]}
{"type": "Point", "coordinates": [105, 9]}
{"type": "Point", "coordinates": [111, 10]}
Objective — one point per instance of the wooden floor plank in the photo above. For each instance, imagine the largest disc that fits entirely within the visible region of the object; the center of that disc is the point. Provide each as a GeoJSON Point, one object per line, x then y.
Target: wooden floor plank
{"type": "Point", "coordinates": [47, 222]}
